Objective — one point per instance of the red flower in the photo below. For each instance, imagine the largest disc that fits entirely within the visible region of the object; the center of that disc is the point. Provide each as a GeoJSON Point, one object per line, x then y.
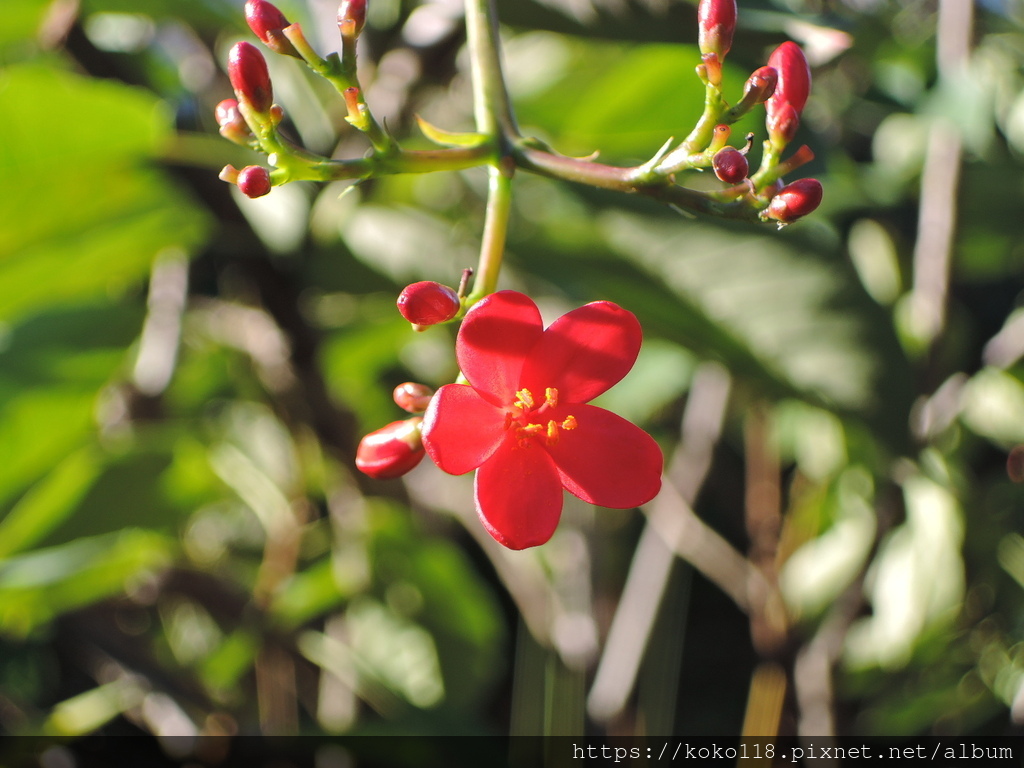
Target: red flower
{"type": "Point", "coordinates": [523, 421]}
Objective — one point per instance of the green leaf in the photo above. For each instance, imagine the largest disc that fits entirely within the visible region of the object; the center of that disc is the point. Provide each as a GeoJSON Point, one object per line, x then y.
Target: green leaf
{"type": "Point", "coordinates": [21, 21]}
{"type": "Point", "coordinates": [88, 218]}
{"type": "Point", "coordinates": [782, 312]}
{"type": "Point", "coordinates": [51, 367]}
{"type": "Point", "coordinates": [48, 502]}
{"type": "Point", "coordinates": [447, 138]}
{"type": "Point", "coordinates": [36, 587]}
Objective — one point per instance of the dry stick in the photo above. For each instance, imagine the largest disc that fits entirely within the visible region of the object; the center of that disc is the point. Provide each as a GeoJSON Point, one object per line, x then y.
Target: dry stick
{"type": "Point", "coordinates": [672, 529]}
{"type": "Point", "coordinates": [763, 505]}
{"type": "Point", "coordinates": [939, 182]}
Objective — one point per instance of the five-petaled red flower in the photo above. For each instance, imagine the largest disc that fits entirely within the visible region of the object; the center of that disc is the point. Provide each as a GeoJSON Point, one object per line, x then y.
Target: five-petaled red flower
{"type": "Point", "coordinates": [523, 421]}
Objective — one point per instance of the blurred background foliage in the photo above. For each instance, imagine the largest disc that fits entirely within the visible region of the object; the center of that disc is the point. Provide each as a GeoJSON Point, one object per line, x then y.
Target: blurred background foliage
{"type": "Point", "coordinates": [185, 547]}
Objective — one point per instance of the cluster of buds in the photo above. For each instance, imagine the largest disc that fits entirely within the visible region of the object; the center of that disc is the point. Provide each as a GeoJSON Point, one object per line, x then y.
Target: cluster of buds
{"type": "Point", "coordinates": [397, 448]}
{"type": "Point", "coordinates": [393, 450]}
{"type": "Point", "coordinates": [250, 119]}
{"type": "Point", "coordinates": [784, 108]}
{"type": "Point", "coordinates": [783, 86]}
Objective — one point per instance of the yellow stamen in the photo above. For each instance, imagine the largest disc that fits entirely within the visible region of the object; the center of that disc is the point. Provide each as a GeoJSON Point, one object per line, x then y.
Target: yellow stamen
{"type": "Point", "coordinates": [569, 423]}
{"type": "Point", "coordinates": [524, 399]}
{"type": "Point", "coordinates": [552, 433]}
{"type": "Point", "coordinates": [531, 429]}
{"type": "Point", "coordinates": [551, 397]}
{"type": "Point", "coordinates": [523, 434]}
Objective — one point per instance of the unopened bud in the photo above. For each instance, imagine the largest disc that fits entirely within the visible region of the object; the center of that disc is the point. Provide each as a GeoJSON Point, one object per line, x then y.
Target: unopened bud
{"type": "Point", "coordinates": [716, 22]}
{"type": "Point", "coordinates": [247, 70]}
{"type": "Point", "coordinates": [355, 11]}
{"type": "Point", "coordinates": [351, 96]}
{"type": "Point", "coordinates": [761, 84]}
{"type": "Point", "coordinates": [268, 23]}
{"type": "Point", "coordinates": [793, 201]}
{"type": "Point", "coordinates": [712, 65]}
{"type": "Point", "coordinates": [730, 165]}
{"type": "Point", "coordinates": [428, 303]}
{"type": "Point", "coordinates": [232, 125]}
{"type": "Point", "coordinates": [391, 451]}
{"type": "Point", "coordinates": [782, 125]}
{"type": "Point", "coordinates": [794, 78]}
{"type": "Point", "coordinates": [254, 181]}
{"type": "Point", "coordinates": [413, 397]}
{"type": "Point", "coordinates": [229, 174]}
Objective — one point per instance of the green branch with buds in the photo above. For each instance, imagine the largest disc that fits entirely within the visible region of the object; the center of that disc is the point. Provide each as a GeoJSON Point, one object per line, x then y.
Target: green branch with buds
{"type": "Point", "coordinates": [252, 119]}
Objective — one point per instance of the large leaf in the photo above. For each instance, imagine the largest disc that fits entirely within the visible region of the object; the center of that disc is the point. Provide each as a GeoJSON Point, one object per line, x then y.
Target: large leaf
{"type": "Point", "coordinates": [88, 217]}
{"type": "Point", "coordinates": [36, 587]}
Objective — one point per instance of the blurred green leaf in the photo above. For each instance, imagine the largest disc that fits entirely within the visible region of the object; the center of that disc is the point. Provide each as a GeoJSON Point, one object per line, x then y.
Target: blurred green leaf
{"type": "Point", "coordinates": [21, 21]}
{"type": "Point", "coordinates": [627, 104]}
{"type": "Point", "coordinates": [48, 502]}
{"type": "Point", "coordinates": [38, 586]}
{"type": "Point", "coordinates": [105, 217]}
{"type": "Point", "coordinates": [431, 581]}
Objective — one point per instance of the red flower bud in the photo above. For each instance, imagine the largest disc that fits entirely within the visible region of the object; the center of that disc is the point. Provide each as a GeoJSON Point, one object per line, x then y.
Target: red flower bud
{"type": "Point", "coordinates": [264, 18]}
{"type": "Point", "coordinates": [794, 79]}
{"type": "Point", "coordinates": [247, 70]}
{"type": "Point", "coordinates": [254, 181]}
{"type": "Point", "coordinates": [268, 23]}
{"type": "Point", "coordinates": [232, 125]}
{"type": "Point", "coordinates": [763, 81]}
{"type": "Point", "coordinates": [354, 10]}
{"type": "Point", "coordinates": [428, 303]}
{"type": "Point", "coordinates": [413, 397]}
{"type": "Point", "coordinates": [716, 22]}
{"type": "Point", "coordinates": [730, 165]}
{"type": "Point", "coordinates": [783, 124]}
{"type": "Point", "coordinates": [391, 451]}
{"type": "Point", "coordinates": [794, 200]}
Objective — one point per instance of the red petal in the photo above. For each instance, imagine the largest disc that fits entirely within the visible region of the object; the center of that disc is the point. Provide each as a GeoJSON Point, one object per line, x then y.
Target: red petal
{"type": "Point", "coordinates": [606, 460]}
{"type": "Point", "coordinates": [519, 495]}
{"type": "Point", "coordinates": [584, 352]}
{"type": "Point", "coordinates": [495, 338]}
{"type": "Point", "coordinates": [461, 429]}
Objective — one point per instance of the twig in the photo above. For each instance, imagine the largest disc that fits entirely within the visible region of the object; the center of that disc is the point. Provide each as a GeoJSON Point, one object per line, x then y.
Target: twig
{"type": "Point", "coordinates": [672, 529]}
{"type": "Point", "coordinates": [939, 183]}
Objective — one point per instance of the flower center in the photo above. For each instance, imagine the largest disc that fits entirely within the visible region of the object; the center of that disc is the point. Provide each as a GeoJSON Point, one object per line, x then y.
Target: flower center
{"type": "Point", "coordinates": [526, 407]}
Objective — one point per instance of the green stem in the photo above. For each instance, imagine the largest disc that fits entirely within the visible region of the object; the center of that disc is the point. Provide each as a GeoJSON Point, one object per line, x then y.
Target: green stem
{"type": "Point", "coordinates": [492, 107]}
{"type": "Point", "coordinates": [401, 161]}
{"type": "Point", "coordinates": [341, 73]}
{"type": "Point", "coordinates": [690, 152]}
{"type": "Point", "coordinates": [492, 110]}
{"type": "Point", "coordinates": [628, 180]}
{"type": "Point", "coordinates": [492, 246]}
